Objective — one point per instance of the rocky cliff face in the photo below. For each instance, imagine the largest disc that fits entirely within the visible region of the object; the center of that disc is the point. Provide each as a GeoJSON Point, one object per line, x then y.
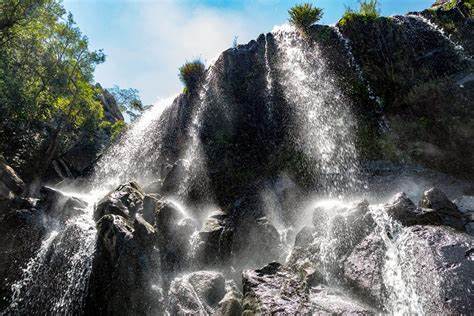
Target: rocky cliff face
{"type": "Point", "coordinates": [276, 188]}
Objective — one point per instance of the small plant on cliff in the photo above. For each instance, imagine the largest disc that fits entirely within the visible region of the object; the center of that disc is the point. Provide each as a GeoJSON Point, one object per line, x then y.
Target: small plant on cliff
{"type": "Point", "coordinates": [368, 10]}
{"type": "Point", "coordinates": [191, 74]}
{"type": "Point", "coordinates": [304, 15]}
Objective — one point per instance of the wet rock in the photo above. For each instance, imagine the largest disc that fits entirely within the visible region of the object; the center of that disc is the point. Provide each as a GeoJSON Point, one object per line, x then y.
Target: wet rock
{"type": "Point", "coordinates": [151, 204]}
{"type": "Point", "coordinates": [231, 303]}
{"type": "Point", "coordinates": [10, 182]}
{"type": "Point", "coordinates": [274, 290]}
{"type": "Point", "coordinates": [363, 269]}
{"type": "Point", "coordinates": [333, 302]}
{"type": "Point", "coordinates": [59, 205]}
{"type": "Point", "coordinates": [435, 199]}
{"type": "Point", "coordinates": [125, 277]}
{"type": "Point", "coordinates": [174, 230]}
{"type": "Point", "coordinates": [153, 187]}
{"type": "Point", "coordinates": [277, 290]}
{"type": "Point", "coordinates": [255, 242]}
{"type": "Point", "coordinates": [465, 204]}
{"type": "Point", "coordinates": [405, 211]}
{"type": "Point", "coordinates": [214, 241]}
{"type": "Point", "coordinates": [197, 293]}
{"type": "Point", "coordinates": [22, 232]}
{"type": "Point", "coordinates": [125, 201]}
{"type": "Point", "coordinates": [438, 263]}
{"type": "Point", "coordinates": [435, 209]}
{"type": "Point", "coordinates": [304, 236]}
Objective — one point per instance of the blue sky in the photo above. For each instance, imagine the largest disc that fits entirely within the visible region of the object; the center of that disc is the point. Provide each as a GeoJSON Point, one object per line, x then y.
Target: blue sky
{"type": "Point", "coordinates": [147, 40]}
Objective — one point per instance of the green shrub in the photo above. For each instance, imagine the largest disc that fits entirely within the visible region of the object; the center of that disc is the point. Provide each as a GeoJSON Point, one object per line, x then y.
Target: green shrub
{"type": "Point", "coordinates": [304, 15]}
{"type": "Point", "coordinates": [368, 10]}
{"type": "Point", "coordinates": [191, 74]}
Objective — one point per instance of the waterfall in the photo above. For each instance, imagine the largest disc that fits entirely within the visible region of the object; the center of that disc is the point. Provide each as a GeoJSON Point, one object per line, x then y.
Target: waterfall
{"type": "Point", "coordinates": [56, 278]}
{"type": "Point", "coordinates": [435, 28]}
{"type": "Point", "coordinates": [138, 149]}
{"type": "Point", "coordinates": [398, 274]}
{"type": "Point", "coordinates": [269, 79]}
{"type": "Point", "coordinates": [324, 125]}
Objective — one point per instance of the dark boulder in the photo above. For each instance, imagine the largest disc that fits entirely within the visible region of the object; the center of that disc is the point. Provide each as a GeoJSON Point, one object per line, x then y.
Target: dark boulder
{"type": "Point", "coordinates": [125, 277]}
{"type": "Point", "coordinates": [276, 290]}
{"type": "Point", "coordinates": [436, 200]}
{"type": "Point", "coordinates": [214, 242]}
{"type": "Point", "coordinates": [59, 205]}
{"type": "Point", "coordinates": [22, 232]}
{"type": "Point", "coordinates": [436, 209]}
{"type": "Point", "coordinates": [125, 201]}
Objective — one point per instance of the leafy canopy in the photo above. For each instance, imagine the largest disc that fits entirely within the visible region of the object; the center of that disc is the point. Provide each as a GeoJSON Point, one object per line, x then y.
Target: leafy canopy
{"type": "Point", "coordinates": [128, 101]}
{"type": "Point", "coordinates": [304, 15]}
{"type": "Point", "coordinates": [48, 99]}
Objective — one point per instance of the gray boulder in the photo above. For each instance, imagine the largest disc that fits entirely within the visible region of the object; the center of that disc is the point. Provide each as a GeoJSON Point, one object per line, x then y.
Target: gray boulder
{"type": "Point", "coordinates": [407, 213]}
{"type": "Point", "coordinates": [363, 269]}
{"type": "Point", "coordinates": [276, 290]}
{"type": "Point", "coordinates": [438, 263]}
{"type": "Point", "coordinates": [327, 301]}
{"type": "Point", "coordinates": [197, 293]}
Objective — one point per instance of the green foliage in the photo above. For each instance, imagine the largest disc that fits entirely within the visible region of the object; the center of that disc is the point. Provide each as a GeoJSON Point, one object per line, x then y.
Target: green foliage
{"type": "Point", "coordinates": [117, 128]}
{"type": "Point", "coordinates": [128, 101]}
{"type": "Point", "coordinates": [368, 10]}
{"type": "Point", "coordinates": [191, 75]}
{"type": "Point", "coordinates": [304, 15]}
{"type": "Point", "coordinates": [47, 97]}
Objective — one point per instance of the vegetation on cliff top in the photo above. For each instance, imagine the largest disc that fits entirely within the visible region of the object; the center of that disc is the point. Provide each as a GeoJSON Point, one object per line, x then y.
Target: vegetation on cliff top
{"type": "Point", "coordinates": [304, 15]}
{"type": "Point", "coordinates": [191, 75]}
{"type": "Point", "coordinates": [368, 10]}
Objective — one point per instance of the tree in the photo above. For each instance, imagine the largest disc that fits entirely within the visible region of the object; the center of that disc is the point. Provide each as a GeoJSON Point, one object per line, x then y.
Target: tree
{"type": "Point", "coordinates": [47, 97]}
{"type": "Point", "coordinates": [128, 100]}
{"type": "Point", "coordinates": [304, 15]}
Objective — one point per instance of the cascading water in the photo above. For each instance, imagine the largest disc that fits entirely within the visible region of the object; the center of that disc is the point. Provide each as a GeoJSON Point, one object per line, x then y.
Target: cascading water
{"type": "Point", "coordinates": [135, 152]}
{"type": "Point", "coordinates": [56, 278]}
{"type": "Point", "coordinates": [192, 159]}
{"type": "Point", "coordinates": [434, 28]}
{"type": "Point", "coordinates": [398, 272]}
{"type": "Point", "coordinates": [324, 127]}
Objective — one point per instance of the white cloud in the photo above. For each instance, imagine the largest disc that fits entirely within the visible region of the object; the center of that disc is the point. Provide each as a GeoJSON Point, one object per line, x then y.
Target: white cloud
{"type": "Point", "coordinates": [176, 33]}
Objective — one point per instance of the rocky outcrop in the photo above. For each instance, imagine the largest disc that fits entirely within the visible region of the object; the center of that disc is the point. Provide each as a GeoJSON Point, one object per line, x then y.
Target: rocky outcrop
{"type": "Point", "coordinates": [276, 290]}
{"type": "Point", "coordinates": [443, 281]}
{"type": "Point", "coordinates": [126, 258]}
{"type": "Point", "coordinates": [415, 65]}
{"type": "Point", "coordinates": [10, 183]}
{"type": "Point", "coordinates": [125, 201]}
{"type": "Point", "coordinates": [203, 293]}
{"type": "Point", "coordinates": [435, 209]}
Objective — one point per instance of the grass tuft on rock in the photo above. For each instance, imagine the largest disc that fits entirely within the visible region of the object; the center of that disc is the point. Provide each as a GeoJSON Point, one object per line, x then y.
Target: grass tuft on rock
{"type": "Point", "coordinates": [302, 16]}
{"type": "Point", "coordinates": [191, 75]}
{"type": "Point", "coordinates": [368, 10]}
